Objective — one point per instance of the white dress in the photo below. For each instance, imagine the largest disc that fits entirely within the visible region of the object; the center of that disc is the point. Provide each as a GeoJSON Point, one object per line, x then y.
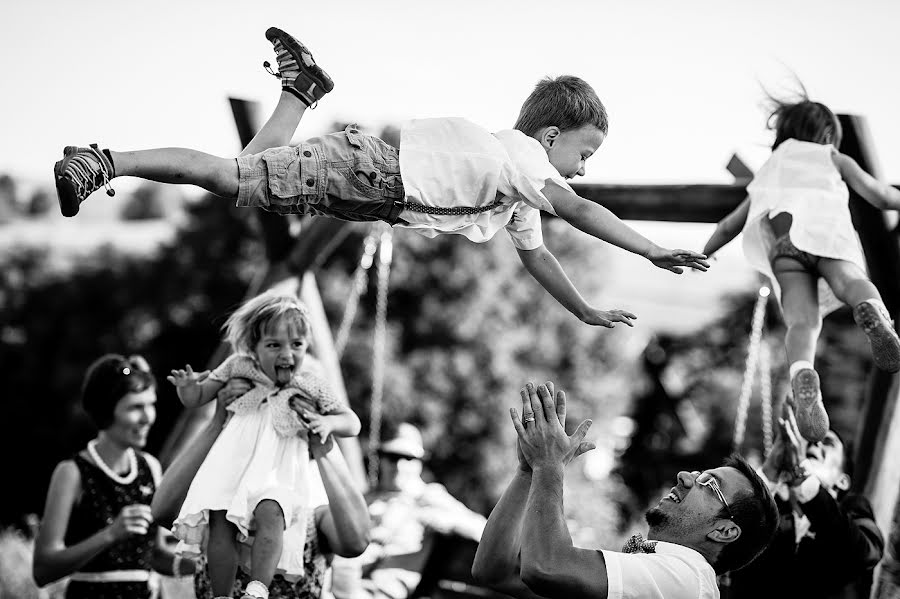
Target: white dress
{"type": "Point", "coordinates": [801, 179]}
{"type": "Point", "coordinates": [262, 453]}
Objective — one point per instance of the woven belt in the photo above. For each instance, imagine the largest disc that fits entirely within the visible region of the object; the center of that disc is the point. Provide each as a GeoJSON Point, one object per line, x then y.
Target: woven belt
{"type": "Point", "coordinates": [451, 210]}
{"type": "Point", "coordinates": [112, 576]}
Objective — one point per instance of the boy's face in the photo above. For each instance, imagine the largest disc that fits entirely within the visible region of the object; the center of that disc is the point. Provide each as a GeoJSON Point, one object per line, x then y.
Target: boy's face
{"type": "Point", "coordinates": [568, 150]}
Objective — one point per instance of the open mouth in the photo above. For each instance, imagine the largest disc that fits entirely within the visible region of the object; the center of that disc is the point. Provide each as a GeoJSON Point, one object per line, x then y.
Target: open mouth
{"type": "Point", "coordinates": [283, 373]}
{"type": "Point", "coordinates": [672, 496]}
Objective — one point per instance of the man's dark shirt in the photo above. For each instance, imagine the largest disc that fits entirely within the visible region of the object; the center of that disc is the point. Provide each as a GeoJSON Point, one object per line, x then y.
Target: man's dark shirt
{"type": "Point", "coordinates": [834, 560]}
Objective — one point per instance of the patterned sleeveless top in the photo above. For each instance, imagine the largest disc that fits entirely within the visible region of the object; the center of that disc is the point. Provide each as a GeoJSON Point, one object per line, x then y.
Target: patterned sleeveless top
{"type": "Point", "coordinates": [101, 500]}
{"type": "Point", "coordinates": [315, 563]}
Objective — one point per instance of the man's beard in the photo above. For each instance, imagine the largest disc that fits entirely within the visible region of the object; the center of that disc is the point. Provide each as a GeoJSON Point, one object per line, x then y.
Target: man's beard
{"type": "Point", "coordinates": [655, 517]}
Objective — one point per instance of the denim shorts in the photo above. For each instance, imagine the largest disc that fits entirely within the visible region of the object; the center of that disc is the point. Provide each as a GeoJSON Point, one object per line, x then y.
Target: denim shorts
{"type": "Point", "coordinates": [785, 248]}
{"type": "Point", "coordinates": [348, 175]}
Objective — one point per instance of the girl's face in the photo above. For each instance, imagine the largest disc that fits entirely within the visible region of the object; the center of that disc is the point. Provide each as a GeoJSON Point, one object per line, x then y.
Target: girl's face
{"type": "Point", "coordinates": [281, 350]}
{"type": "Point", "coordinates": [134, 415]}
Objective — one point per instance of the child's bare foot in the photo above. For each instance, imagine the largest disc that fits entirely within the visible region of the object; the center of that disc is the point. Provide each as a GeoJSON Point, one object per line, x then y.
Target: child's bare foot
{"type": "Point", "coordinates": [81, 172]}
{"type": "Point", "coordinates": [812, 419]}
{"type": "Point", "coordinates": [298, 71]}
{"type": "Point", "coordinates": [875, 321]}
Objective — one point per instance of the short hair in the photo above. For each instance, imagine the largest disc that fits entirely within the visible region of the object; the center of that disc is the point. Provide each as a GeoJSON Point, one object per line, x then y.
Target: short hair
{"type": "Point", "coordinates": [110, 378]}
{"type": "Point", "coordinates": [567, 102]}
{"type": "Point", "coordinates": [246, 326]}
{"type": "Point", "coordinates": [756, 514]}
{"type": "Point", "coordinates": [802, 119]}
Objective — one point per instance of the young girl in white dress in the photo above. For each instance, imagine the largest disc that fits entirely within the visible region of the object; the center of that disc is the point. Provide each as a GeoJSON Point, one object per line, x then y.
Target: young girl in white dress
{"type": "Point", "coordinates": [797, 231]}
{"type": "Point", "coordinates": [250, 495]}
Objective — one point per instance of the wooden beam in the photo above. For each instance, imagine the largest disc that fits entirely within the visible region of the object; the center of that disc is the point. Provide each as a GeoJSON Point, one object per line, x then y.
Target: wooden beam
{"type": "Point", "coordinates": [675, 203]}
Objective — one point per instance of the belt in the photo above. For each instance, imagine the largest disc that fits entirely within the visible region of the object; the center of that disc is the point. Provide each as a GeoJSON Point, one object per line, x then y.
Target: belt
{"type": "Point", "coordinates": [112, 576]}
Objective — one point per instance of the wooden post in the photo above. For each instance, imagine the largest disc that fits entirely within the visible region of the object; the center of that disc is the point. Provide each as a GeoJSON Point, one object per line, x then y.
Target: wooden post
{"type": "Point", "coordinates": [878, 434]}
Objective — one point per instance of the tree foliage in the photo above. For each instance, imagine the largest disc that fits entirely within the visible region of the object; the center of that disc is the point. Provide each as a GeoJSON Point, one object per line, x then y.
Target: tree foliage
{"type": "Point", "coordinates": [467, 327]}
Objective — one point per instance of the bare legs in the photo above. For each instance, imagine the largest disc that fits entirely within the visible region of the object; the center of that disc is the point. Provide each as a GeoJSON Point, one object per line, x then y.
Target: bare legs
{"type": "Point", "coordinates": [280, 127]}
{"type": "Point", "coordinates": [212, 173]}
{"type": "Point", "coordinates": [221, 551]}
{"type": "Point", "coordinates": [800, 305]}
{"type": "Point", "coordinates": [180, 166]}
{"type": "Point", "coordinates": [849, 283]}
{"type": "Point", "coordinates": [268, 542]}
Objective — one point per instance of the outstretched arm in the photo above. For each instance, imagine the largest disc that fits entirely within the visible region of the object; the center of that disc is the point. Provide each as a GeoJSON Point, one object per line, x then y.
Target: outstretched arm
{"type": "Point", "coordinates": [546, 270]}
{"type": "Point", "coordinates": [728, 228]}
{"type": "Point", "coordinates": [551, 564]}
{"type": "Point", "coordinates": [194, 388]}
{"type": "Point", "coordinates": [879, 194]}
{"type": "Point", "coordinates": [497, 562]}
{"type": "Point", "coordinates": [597, 221]}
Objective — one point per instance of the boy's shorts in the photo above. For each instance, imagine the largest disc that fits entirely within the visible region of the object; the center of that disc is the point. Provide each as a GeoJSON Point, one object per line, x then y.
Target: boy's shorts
{"type": "Point", "coordinates": [785, 248]}
{"type": "Point", "coordinates": [347, 175]}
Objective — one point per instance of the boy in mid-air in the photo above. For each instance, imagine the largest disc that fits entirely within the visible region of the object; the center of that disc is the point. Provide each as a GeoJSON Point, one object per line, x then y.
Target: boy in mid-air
{"type": "Point", "coordinates": [449, 175]}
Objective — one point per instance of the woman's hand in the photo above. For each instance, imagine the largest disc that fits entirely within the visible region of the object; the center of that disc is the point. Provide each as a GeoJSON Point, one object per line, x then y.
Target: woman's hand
{"type": "Point", "coordinates": [233, 389]}
{"type": "Point", "coordinates": [318, 449]}
{"type": "Point", "coordinates": [132, 520]}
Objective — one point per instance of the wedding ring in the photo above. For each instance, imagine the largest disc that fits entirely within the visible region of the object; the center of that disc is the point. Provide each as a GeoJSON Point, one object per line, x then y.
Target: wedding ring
{"type": "Point", "coordinates": [528, 418]}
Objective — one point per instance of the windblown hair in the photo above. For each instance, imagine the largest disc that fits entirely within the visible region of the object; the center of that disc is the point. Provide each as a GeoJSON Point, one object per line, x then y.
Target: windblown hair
{"type": "Point", "coordinates": [756, 514]}
{"type": "Point", "coordinates": [110, 378]}
{"type": "Point", "coordinates": [247, 325]}
{"type": "Point", "coordinates": [566, 102]}
{"type": "Point", "coordinates": [802, 119]}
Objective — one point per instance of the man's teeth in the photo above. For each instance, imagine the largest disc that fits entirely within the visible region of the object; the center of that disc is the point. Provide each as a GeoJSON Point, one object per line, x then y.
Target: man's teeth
{"type": "Point", "coordinates": [673, 497]}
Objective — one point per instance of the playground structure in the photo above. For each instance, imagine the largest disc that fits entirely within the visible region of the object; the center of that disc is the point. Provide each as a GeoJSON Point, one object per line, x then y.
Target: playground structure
{"type": "Point", "coordinates": [292, 262]}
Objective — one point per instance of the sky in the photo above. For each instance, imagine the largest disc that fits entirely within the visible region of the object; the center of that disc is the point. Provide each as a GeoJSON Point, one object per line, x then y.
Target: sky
{"type": "Point", "coordinates": [681, 80]}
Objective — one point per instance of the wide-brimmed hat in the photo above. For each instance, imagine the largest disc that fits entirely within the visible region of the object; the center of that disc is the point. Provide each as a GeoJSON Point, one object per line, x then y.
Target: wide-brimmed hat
{"type": "Point", "coordinates": [407, 442]}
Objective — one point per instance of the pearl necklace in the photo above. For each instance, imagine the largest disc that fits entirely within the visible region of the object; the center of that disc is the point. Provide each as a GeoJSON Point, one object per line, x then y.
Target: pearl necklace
{"type": "Point", "coordinates": [122, 480]}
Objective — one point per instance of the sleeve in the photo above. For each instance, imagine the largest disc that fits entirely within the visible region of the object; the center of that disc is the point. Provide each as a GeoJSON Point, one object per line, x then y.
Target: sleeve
{"type": "Point", "coordinates": [227, 369]}
{"type": "Point", "coordinates": [315, 387]}
{"type": "Point", "coordinates": [846, 529]}
{"type": "Point", "coordinates": [524, 228]}
{"type": "Point", "coordinates": [530, 170]}
{"type": "Point", "coordinates": [650, 576]}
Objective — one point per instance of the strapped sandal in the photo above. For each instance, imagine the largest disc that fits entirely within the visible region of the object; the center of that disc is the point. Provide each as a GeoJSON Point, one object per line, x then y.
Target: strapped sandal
{"type": "Point", "coordinates": [298, 71]}
{"type": "Point", "coordinates": [81, 172]}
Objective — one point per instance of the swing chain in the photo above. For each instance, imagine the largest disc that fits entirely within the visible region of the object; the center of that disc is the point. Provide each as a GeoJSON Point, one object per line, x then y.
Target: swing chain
{"type": "Point", "coordinates": [385, 252]}
{"type": "Point", "coordinates": [751, 367]}
{"type": "Point", "coordinates": [360, 279]}
{"type": "Point", "coordinates": [765, 395]}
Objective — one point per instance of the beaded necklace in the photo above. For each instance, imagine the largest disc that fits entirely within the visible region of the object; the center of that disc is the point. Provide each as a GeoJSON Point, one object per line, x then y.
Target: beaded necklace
{"type": "Point", "coordinates": [122, 480]}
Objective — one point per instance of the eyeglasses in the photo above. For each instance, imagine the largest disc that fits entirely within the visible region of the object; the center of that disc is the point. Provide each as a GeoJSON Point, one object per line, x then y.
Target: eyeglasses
{"type": "Point", "coordinates": [705, 479]}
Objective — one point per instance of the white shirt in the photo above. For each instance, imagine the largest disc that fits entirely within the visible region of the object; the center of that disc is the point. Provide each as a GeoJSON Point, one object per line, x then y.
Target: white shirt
{"type": "Point", "coordinates": [673, 572]}
{"type": "Point", "coordinates": [801, 179]}
{"type": "Point", "coordinates": [450, 162]}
